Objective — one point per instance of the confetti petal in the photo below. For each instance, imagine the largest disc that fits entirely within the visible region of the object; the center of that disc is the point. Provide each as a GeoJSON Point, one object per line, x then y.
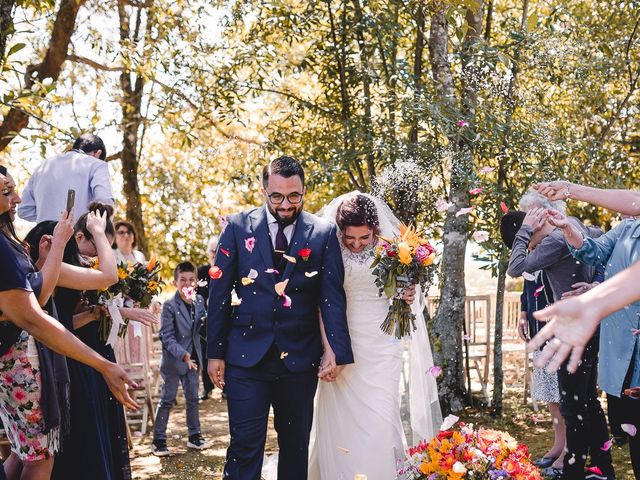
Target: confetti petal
{"type": "Point", "coordinates": [466, 338]}
{"type": "Point", "coordinates": [594, 469]}
{"type": "Point", "coordinates": [289, 258]}
{"type": "Point", "coordinates": [481, 236]}
{"type": "Point", "coordinates": [247, 281]}
{"type": "Point", "coordinates": [606, 446]}
{"type": "Point", "coordinates": [538, 290]}
{"type": "Point", "coordinates": [435, 371]}
{"type": "Point", "coordinates": [449, 422]}
{"type": "Point", "coordinates": [442, 205]}
{"type": "Point", "coordinates": [283, 355]}
{"type": "Point", "coordinates": [486, 170]}
{"type": "Point", "coordinates": [225, 251]}
{"type": "Point", "coordinates": [503, 207]}
{"type": "Point", "coordinates": [271, 270]}
{"type": "Point", "coordinates": [343, 450]}
{"type": "Point", "coordinates": [464, 211]}
{"type": "Point", "coordinates": [462, 123]}
{"type": "Point", "coordinates": [475, 191]}
{"type": "Point", "coordinates": [287, 300]}
{"type": "Point", "coordinates": [215, 272]}
{"type": "Point", "coordinates": [310, 274]}
{"type": "Point", "coordinates": [528, 276]}
{"type": "Point", "coordinates": [202, 283]}
{"type": "Point", "coordinates": [630, 429]}
{"type": "Point", "coordinates": [249, 243]}
{"type": "Point", "coordinates": [252, 274]}
{"type": "Point", "coordinates": [281, 286]}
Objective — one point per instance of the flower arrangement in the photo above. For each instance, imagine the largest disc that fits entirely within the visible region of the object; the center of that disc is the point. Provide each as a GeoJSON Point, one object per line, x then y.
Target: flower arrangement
{"type": "Point", "coordinates": [400, 263]}
{"type": "Point", "coordinates": [466, 453]}
{"type": "Point", "coordinates": [137, 283]}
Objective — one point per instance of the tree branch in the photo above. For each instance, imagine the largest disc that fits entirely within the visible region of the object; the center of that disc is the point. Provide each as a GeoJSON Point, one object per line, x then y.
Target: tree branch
{"type": "Point", "coordinates": [93, 64]}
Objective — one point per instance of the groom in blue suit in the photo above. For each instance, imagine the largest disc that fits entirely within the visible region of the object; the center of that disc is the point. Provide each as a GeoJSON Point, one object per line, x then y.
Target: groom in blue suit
{"type": "Point", "coordinates": [286, 268]}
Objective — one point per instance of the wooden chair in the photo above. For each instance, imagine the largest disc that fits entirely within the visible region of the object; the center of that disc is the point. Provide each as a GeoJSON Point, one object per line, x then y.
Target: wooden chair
{"type": "Point", "coordinates": [477, 341]}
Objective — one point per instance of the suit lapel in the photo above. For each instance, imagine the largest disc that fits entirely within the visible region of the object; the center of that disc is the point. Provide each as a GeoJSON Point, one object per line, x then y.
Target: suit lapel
{"type": "Point", "coordinates": [182, 309]}
{"type": "Point", "coordinates": [260, 229]}
{"type": "Point", "coordinates": [304, 227]}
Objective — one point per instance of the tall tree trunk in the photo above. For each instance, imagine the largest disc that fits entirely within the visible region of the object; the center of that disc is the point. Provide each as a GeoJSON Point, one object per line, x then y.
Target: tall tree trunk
{"type": "Point", "coordinates": [450, 315]}
{"type": "Point", "coordinates": [418, 50]}
{"type": "Point", "coordinates": [132, 92]}
{"type": "Point", "coordinates": [498, 372]}
{"type": "Point", "coordinates": [50, 67]}
{"type": "Point", "coordinates": [366, 90]}
{"type": "Point", "coordinates": [6, 24]}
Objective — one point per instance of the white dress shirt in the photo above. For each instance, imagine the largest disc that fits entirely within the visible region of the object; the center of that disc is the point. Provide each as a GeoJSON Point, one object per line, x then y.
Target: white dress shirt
{"type": "Point", "coordinates": [45, 196]}
{"type": "Point", "coordinates": [273, 229]}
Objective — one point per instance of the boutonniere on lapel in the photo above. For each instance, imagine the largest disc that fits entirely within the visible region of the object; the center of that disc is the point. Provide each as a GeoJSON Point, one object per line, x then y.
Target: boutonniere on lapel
{"type": "Point", "coordinates": [249, 243]}
{"type": "Point", "coordinates": [280, 290]}
{"type": "Point", "coordinates": [304, 253]}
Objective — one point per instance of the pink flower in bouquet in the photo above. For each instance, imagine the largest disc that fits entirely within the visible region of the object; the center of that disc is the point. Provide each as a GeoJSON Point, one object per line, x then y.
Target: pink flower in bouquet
{"type": "Point", "coordinates": [422, 253]}
{"type": "Point", "coordinates": [475, 191]}
{"type": "Point", "coordinates": [462, 123]}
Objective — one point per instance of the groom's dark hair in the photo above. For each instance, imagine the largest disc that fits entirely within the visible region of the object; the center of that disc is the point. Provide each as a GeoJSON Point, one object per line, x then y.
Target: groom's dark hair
{"type": "Point", "coordinates": [285, 167]}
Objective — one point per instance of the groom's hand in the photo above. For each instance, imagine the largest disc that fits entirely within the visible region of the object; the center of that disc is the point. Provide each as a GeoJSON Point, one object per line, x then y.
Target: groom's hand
{"type": "Point", "coordinates": [216, 372]}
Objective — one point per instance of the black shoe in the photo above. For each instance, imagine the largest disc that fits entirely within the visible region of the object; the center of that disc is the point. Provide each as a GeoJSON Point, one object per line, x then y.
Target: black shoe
{"type": "Point", "coordinates": [544, 462]}
{"type": "Point", "coordinates": [197, 442]}
{"type": "Point", "coordinates": [206, 395]}
{"type": "Point", "coordinates": [159, 448]}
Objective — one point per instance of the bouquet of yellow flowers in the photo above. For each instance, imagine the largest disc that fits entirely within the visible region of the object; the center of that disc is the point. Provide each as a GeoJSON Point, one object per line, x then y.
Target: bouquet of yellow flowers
{"type": "Point", "coordinates": [463, 453]}
{"type": "Point", "coordinates": [400, 263]}
{"type": "Point", "coordinates": [137, 284]}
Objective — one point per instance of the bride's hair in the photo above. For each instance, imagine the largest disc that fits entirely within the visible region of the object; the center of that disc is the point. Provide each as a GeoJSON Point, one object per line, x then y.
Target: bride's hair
{"type": "Point", "coordinates": [357, 211]}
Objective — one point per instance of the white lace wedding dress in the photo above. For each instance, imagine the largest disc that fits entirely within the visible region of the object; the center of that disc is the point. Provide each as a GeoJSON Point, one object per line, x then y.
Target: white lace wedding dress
{"type": "Point", "coordinates": [357, 424]}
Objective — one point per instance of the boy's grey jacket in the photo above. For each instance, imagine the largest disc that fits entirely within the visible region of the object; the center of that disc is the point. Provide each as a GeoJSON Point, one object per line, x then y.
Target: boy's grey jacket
{"type": "Point", "coordinates": [179, 334]}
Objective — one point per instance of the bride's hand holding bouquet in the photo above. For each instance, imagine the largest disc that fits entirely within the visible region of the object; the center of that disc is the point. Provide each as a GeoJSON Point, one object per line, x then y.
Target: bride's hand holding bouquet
{"type": "Point", "coordinates": [401, 262]}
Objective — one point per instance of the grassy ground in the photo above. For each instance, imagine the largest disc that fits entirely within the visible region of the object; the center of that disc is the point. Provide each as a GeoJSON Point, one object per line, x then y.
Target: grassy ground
{"type": "Point", "coordinates": [528, 427]}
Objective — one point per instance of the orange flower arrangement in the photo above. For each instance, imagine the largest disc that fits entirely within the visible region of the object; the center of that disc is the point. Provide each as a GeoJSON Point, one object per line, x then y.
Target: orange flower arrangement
{"type": "Point", "coordinates": [462, 453]}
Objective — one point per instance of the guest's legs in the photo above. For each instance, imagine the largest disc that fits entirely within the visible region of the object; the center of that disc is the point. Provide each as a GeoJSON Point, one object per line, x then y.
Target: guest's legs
{"type": "Point", "coordinates": [207, 384]}
{"type": "Point", "coordinates": [559, 435]}
{"type": "Point", "coordinates": [614, 413]}
{"type": "Point", "coordinates": [190, 387]}
{"type": "Point", "coordinates": [248, 401]}
{"type": "Point", "coordinates": [630, 413]}
{"type": "Point", "coordinates": [293, 416]}
{"type": "Point", "coordinates": [169, 391]}
{"type": "Point", "coordinates": [586, 426]}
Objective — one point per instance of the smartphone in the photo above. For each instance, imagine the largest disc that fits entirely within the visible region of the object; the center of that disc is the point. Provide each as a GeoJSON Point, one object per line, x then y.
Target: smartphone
{"type": "Point", "coordinates": [71, 198]}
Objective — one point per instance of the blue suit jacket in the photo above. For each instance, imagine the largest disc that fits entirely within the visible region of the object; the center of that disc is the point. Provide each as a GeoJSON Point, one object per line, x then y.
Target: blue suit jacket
{"type": "Point", "coordinates": [243, 334]}
{"type": "Point", "coordinates": [179, 334]}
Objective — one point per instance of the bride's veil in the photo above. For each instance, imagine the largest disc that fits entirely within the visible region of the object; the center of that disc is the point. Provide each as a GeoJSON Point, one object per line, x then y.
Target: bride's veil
{"type": "Point", "coordinates": [420, 403]}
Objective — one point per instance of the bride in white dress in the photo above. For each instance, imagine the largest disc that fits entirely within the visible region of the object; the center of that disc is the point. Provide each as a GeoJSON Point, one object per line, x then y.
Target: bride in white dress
{"type": "Point", "coordinates": [358, 426]}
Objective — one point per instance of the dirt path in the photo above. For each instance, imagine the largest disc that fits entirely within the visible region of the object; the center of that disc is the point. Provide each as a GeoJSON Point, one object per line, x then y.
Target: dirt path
{"type": "Point", "coordinates": [532, 429]}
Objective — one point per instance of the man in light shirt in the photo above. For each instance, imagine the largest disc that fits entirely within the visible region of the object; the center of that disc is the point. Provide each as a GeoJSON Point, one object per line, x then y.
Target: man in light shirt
{"type": "Point", "coordinates": [82, 169]}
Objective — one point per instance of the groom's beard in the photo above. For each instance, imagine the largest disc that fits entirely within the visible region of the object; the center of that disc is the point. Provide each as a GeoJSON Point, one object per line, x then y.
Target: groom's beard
{"type": "Point", "coordinates": [296, 209]}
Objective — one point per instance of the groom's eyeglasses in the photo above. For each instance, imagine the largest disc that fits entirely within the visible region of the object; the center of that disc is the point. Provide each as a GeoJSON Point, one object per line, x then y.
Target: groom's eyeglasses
{"type": "Point", "coordinates": [277, 198]}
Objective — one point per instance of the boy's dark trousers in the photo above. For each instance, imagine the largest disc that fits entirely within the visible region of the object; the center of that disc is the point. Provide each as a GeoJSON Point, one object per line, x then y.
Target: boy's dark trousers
{"type": "Point", "coordinates": [190, 382]}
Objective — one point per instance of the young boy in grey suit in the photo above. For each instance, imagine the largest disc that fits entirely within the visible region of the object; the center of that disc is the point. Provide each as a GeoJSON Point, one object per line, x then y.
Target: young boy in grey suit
{"type": "Point", "coordinates": [182, 316]}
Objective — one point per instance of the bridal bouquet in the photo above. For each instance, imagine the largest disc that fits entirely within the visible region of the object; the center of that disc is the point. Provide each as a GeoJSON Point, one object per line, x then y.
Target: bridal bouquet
{"type": "Point", "coordinates": [399, 263]}
{"type": "Point", "coordinates": [137, 284]}
{"type": "Point", "coordinates": [466, 453]}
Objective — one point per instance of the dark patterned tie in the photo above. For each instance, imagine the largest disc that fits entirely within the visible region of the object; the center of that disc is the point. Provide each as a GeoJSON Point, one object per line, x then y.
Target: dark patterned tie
{"type": "Point", "coordinates": [281, 242]}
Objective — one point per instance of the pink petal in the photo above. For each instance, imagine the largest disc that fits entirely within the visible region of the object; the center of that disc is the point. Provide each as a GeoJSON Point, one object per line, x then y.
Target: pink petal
{"type": "Point", "coordinates": [435, 371]}
{"type": "Point", "coordinates": [538, 290]}
{"type": "Point", "coordinates": [271, 270]}
{"type": "Point", "coordinates": [630, 429]}
{"type": "Point", "coordinates": [594, 469]}
{"type": "Point", "coordinates": [462, 123]}
{"type": "Point", "coordinates": [464, 211]}
{"type": "Point", "coordinates": [606, 446]}
{"type": "Point", "coordinates": [503, 207]}
{"type": "Point", "coordinates": [249, 243]}
{"type": "Point", "coordinates": [287, 301]}
{"type": "Point", "coordinates": [486, 170]}
{"type": "Point", "coordinates": [475, 191]}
